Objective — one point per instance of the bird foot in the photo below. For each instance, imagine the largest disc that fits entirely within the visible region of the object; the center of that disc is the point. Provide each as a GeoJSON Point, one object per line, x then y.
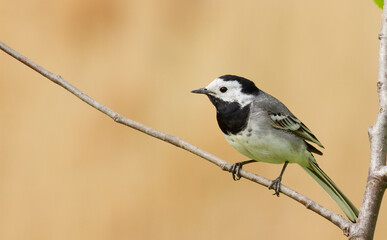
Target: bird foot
{"type": "Point", "coordinates": [236, 168]}
{"type": "Point", "coordinates": [235, 171]}
{"type": "Point", "coordinates": [275, 185]}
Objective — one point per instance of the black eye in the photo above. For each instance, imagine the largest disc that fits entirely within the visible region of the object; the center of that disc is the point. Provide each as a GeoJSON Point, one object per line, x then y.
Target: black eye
{"type": "Point", "coordinates": [223, 89]}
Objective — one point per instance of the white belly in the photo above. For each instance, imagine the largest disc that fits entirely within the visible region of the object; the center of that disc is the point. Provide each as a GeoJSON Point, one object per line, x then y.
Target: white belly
{"type": "Point", "coordinates": [270, 146]}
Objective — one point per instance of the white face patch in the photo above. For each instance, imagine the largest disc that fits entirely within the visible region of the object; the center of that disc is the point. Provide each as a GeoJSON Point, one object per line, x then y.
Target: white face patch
{"type": "Point", "coordinates": [233, 91]}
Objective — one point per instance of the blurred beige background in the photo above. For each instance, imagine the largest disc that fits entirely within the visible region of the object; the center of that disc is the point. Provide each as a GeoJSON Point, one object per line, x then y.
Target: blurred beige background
{"type": "Point", "coordinates": [69, 172]}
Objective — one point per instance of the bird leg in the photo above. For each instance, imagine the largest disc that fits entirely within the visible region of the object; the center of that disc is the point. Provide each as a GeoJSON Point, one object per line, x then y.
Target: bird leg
{"type": "Point", "coordinates": [236, 168]}
{"type": "Point", "coordinates": [276, 183]}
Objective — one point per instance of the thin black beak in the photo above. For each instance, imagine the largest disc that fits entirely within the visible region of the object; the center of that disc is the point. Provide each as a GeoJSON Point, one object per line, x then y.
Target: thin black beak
{"type": "Point", "coordinates": [201, 91]}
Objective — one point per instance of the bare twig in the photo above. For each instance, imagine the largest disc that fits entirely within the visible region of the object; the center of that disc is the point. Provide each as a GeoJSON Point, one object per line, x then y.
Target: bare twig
{"type": "Point", "coordinates": [336, 219]}
{"type": "Point", "coordinates": [376, 182]}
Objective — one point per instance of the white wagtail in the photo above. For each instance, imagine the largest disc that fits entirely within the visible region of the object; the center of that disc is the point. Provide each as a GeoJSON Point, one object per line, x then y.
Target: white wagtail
{"type": "Point", "coordinates": [262, 128]}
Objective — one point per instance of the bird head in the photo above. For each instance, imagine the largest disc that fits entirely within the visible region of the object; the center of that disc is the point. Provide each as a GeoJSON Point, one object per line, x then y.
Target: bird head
{"type": "Point", "coordinates": [230, 89]}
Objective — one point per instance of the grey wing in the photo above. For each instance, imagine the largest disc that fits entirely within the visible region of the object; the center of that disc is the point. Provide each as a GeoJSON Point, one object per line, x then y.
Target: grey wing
{"type": "Point", "coordinates": [282, 118]}
{"type": "Point", "coordinates": [291, 123]}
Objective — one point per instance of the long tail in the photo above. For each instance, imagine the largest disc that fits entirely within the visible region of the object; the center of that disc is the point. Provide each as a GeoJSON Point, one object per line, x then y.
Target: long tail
{"type": "Point", "coordinates": [330, 187]}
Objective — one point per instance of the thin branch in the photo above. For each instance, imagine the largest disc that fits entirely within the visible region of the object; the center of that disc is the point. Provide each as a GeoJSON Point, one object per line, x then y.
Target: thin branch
{"type": "Point", "coordinates": [336, 219]}
{"type": "Point", "coordinates": [376, 183]}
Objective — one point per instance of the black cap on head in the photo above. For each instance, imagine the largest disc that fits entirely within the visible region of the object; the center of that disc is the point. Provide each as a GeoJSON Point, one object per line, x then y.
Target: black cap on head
{"type": "Point", "coordinates": [247, 85]}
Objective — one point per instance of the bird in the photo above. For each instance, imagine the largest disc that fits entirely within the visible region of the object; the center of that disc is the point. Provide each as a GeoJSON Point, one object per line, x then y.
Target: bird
{"type": "Point", "coordinates": [262, 128]}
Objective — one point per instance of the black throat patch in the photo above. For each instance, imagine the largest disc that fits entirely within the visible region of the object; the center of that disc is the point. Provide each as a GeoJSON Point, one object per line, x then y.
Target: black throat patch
{"type": "Point", "coordinates": [232, 118]}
